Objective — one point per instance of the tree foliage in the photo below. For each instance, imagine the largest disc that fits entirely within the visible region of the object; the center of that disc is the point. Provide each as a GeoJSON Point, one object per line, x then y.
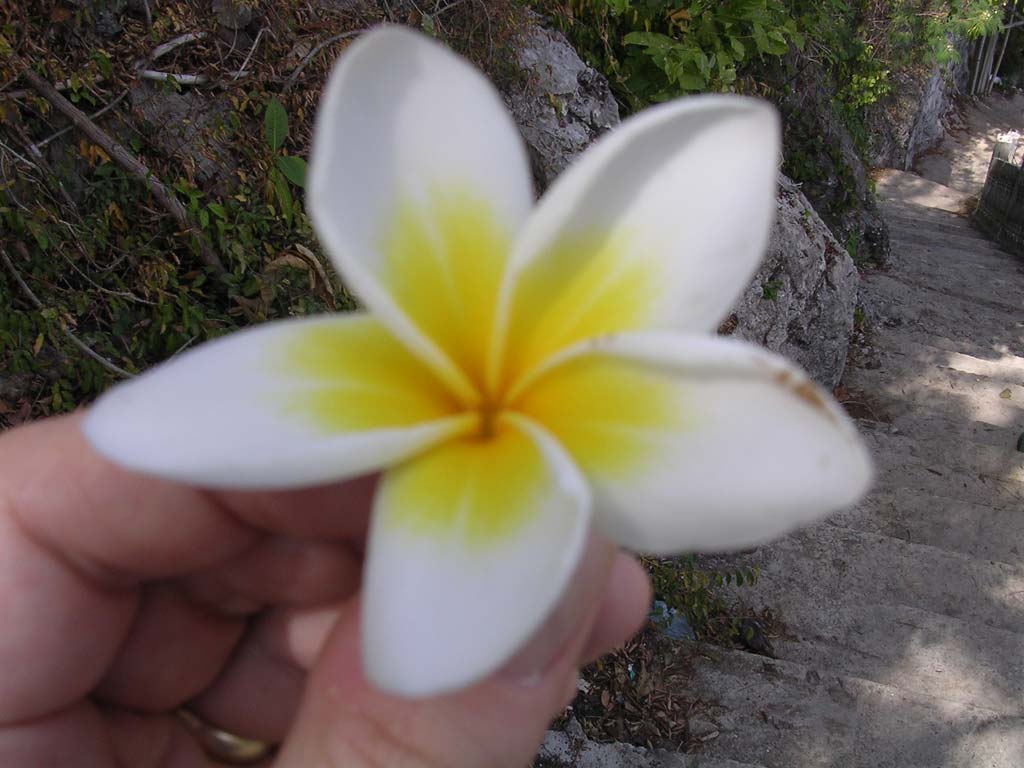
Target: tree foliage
{"type": "Point", "coordinates": [654, 50]}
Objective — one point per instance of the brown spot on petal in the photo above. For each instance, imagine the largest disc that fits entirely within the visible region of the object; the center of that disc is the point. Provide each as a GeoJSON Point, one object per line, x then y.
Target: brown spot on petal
{"type": "Point", "coordinates": [805, 390]}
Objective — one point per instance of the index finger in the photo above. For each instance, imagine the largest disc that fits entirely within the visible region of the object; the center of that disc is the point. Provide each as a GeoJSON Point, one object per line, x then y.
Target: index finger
{"type": "Point", "coordinates": [119, 526]}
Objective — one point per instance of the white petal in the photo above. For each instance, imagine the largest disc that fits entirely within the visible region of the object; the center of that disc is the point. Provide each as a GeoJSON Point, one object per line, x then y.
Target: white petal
{"type": "Point", "coordinates": [660, 225]}
{"type": "Point", "coordinates": [285, 404]}
{"type": "Point", "coordinates": [697, 443]}
{"type": "Point", "coordinates": [408, 134]}
{"type": "Point", "coordinates": [472, 545]}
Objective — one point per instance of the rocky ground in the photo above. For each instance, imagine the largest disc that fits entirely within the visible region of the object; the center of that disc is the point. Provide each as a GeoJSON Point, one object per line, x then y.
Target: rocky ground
{"type": "Point", "coordinates": [902, 640]}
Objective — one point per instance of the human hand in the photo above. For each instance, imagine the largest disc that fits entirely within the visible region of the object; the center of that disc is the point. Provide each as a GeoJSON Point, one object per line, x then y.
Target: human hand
{"type": "Point", "coordinates": [126, 598]}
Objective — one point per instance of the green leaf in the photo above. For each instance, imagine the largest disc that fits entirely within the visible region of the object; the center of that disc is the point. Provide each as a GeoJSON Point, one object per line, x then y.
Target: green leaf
{"type": "Point", "coordinates": [39, 233]}
{"type": "Point", "coordinates": [103, 63]}
{"type": "Point", "coordinates": [761, 39]}
{"type": "Point", "coordinates": [294, 169]}
{"type": "Point", "coordinates": [275, 124]}
{"type": "Point", "coordinates": [284, 197]}
{"type": "Point", "coordinates": [652, 40]}
{"type": "Point", "coordinates": [777, 45]}
{"type": "Point", "coordinates": [692, 82]}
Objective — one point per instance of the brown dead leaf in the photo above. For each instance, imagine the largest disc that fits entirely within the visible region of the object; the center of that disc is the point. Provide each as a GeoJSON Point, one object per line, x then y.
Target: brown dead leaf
{"type": "Point", "coordinates": [299, 258]}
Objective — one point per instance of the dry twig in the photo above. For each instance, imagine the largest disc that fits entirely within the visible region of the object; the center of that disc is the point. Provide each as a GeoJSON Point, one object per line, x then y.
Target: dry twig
{"type": "Point", "coordinates": [85, 348]}
{"type": "Point", "coordinates": [125, 159]}
{"type": "Point", "coordinates": [245, 63]}
{"type": "Point", "coordinates": [181, 78]}
{"type": "Point", "coordinates": [98, 113]}
{"type": "Point", "coordinates": [312, 54]}
{"type": "Point", "coordinates": [164, 48]}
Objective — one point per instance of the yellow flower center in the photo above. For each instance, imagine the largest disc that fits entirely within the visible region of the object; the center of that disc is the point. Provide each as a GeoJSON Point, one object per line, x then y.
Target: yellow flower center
{"type": "Point", "coordinates": [445, 256]}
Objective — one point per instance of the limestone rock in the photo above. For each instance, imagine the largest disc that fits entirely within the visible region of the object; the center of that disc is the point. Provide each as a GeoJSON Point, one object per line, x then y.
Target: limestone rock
{"type": "Point", "coordinates": [185, 126]}
{"type": "Point", "coordinates": [909, 119]}
{"type": "Point", "coordinates": [106, 15]}
{"type": "Point", "coordinates": [801, 301]}
{"type": "Point", "coordinates": [821, 153]}
{"type": "Point", "coordinates": [561, 106]}
{"type": "Point", "coordinates": [233, 14]}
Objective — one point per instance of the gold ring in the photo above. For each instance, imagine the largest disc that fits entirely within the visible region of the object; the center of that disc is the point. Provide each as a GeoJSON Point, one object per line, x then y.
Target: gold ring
{"type": "Point", "coordinates": [222, 745]}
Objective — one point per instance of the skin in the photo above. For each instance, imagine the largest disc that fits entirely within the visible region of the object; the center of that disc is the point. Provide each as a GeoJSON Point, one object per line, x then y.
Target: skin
{"type": "Point", "coordinates": [125, 598]}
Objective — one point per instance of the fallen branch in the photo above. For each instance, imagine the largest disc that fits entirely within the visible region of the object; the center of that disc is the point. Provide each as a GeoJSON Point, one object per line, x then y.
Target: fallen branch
{"type": "Point", "coordinates": [245, 63]}
{"type": "Point", "coordinates": [310, 56]}
{"type": "Point", "coordinates": [99, 113]}
{"type": "Point", "coordinates": [85, 348]}
{"type": "Point", "coordinates": [60, 85]}
{"type": "Point", "coordinates": [16, 155]}
{"type": "Point", "coordinates": [164, 48]}
{"type": "Point", "coordinates": [39, 162]}
{"type": "Point", "coordinates": [126, 160]}
{"type": "Point", "coordinates": [180, 79]}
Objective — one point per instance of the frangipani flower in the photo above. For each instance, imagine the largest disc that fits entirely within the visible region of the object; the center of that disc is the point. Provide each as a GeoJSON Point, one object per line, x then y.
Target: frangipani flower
{"type": "Point", "coordinates": [521, 374]}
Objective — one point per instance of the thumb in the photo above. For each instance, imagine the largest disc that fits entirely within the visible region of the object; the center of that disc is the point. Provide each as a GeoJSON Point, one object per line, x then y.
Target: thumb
{"type": "Point", "coordinates": [345, 721]}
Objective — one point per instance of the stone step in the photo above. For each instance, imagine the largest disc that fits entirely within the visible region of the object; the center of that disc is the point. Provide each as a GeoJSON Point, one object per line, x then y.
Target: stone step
{"type": "Point", "coordinates": [983, 283]}
{"type": "Point", "coordinates": [899, 304]}
{"type": "Point", "coordinates": [967, 246]}
{"type": "Point", "coordinates": [894, 348]}
{"type": "Point", "coordinates": [976, 530]}
{"type": "Point", "coordinates": [908, 188]}
{"type": "Point", "coordinates": [820, 561]}
{"type": "Point", "coordinates": [903, 300]}
{"type": "Point", "coordinates": [927, 426]}
{"type": "Point", "coordinates": [902, 218]}
{"type": "Point", "coordinates": [569, 750]}
{"type": "Point", "coordinates": [920, 213]}
{"type": "Point", "coordinates": [918, 651]}
{"type": "Point", "coordinates": [787, 715]}
{"type": "Point", "coordinates": [943, 249]}
{"type": "Point", "coordinates": [889, 331]}
{"type": "Point", "coordinates": [888, 410]}
{"type": "Point", "coordinates": [927, 264]}
{"type": "Point", "coordinates": [951, 394]}
{"type": "Point", "coordinates": [956, 230]}
{"type": "Point", "coordinates": [942, 454]}
{"type": "Point", "coordinates": [957, 251]}
{"type": "Point", "coordinates": [929, 362]}
{"type": "Point", "coordinates": [899, 471]}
